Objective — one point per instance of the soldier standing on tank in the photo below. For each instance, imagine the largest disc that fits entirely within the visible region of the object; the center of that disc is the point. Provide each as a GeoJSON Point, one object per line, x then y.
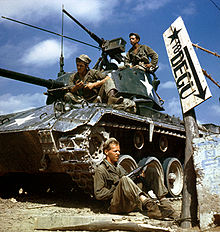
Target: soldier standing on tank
{"type": "Point", "coordinates": [90, 85]}
{"type": "Point", "coordinates": [112, 184]}
{"type": "Point", "coordinates": [138, 57]}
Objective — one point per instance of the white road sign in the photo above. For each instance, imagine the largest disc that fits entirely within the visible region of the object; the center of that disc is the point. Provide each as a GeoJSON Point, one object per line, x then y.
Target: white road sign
{"type": "Point", "coordinates": [187, 72]}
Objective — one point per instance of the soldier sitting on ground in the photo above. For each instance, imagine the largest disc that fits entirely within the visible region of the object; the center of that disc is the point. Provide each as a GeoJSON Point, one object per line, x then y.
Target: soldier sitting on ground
{"type": "Point", "coordinates": [90, 85]}
{"type": "Point", "coordinates": [111, 184]}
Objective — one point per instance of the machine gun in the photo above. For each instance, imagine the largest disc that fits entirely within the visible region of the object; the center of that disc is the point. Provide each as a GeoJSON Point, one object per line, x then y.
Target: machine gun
{"type": "Point", "coordinates": [136, 172]}
{"type": "Point", "coordinates": [112, 48]}
{"type": "Point", "coordinates": [55, 90]}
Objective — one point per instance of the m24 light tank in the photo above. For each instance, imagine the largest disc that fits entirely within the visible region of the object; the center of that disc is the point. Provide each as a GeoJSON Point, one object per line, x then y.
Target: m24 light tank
{"type": "Point", "coordinates": [52, 141]}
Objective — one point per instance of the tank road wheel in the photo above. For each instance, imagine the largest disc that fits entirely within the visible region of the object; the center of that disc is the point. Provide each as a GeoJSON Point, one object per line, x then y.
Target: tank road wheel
{"type": "Point", "coordinates": [173, 176]}
{"type": "Point", "coordinates": [152, 162]}
{"type": "Point", "coordinates": [127, 162]}
{"type": "Point", "coordinates": [153, 166]}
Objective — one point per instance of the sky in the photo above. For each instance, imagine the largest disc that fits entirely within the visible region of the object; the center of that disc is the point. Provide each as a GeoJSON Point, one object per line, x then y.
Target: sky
{"type": "Point", "coordinates": [34, 52]}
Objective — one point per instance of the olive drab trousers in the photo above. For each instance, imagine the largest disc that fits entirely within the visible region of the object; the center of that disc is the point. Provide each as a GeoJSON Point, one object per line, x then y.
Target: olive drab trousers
{"type": "Point", "coordinates": [153, 181]}
{"type": "Point", "coordinates": [102, 92]}
{"type": "Point", "coordinates": [126, 197]}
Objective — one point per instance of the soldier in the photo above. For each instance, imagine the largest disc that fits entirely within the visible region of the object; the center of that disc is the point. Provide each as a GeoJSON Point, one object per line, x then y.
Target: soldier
{"type": "Point", "coordinates": [112, 184]}
{"type": "Point", "coordinates": [138, 56]}
{"type": "Point", "coordinates": [89, 84]}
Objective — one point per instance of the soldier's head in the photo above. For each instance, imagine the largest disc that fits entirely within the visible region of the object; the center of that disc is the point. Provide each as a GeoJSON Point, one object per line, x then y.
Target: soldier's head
{"type": "Point", "coordinates": [134, 38]}
{"type": "Point", "coordinates": [111, 149]}
{"type": "Point", "coordinates": [82, 63]}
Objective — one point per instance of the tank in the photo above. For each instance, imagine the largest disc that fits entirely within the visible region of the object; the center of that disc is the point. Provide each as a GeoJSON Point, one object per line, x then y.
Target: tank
{"type": "Point", "coordinates": [54, 142]}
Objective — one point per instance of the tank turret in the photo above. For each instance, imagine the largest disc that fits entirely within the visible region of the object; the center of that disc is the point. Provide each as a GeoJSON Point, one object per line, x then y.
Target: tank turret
{"type": "Point", "coordinates": [42, 142]}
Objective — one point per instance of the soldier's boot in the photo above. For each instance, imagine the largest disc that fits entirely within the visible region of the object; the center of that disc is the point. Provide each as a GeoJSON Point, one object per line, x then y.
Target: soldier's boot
{"type": "Point", "coordinates": [152, 208]}
{"type": "Point", "coordinates": [72, 98]}
{"type": "Point", "coordinates": [112, 99]}
{"type": "Point", "coordinates": [167, 210]}
{"type": "Point", "coordinates": [155, 82]}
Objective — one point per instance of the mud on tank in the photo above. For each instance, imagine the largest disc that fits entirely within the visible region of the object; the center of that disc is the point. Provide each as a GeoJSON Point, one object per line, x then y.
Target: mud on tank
{"type": "Point", "coordinates": [48, 139]}
{"type": "Point", "coordinates": [47, 144]}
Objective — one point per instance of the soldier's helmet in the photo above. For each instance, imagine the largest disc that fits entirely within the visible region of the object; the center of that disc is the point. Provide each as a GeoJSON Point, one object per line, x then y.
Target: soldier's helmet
{"type": "Point", "coordinates": [83, 58]}
{"type": "Point", "coordinates": [136, 35]}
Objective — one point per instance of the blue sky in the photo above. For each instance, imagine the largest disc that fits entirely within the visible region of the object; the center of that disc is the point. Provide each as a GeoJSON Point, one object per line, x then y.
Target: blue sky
{"type": "Point", "coordinates": [30, 51]}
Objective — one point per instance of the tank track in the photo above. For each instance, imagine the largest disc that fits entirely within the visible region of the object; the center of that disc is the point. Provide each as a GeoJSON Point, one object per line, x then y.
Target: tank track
{"type": "Point", "coordinates": [81, 152]}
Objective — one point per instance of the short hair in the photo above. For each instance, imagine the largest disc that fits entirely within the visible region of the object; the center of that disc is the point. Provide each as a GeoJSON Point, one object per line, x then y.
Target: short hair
{"type": "Point", "coordinates": [135, 34]}
{"type": "Point", "coordinates": [108, 142]}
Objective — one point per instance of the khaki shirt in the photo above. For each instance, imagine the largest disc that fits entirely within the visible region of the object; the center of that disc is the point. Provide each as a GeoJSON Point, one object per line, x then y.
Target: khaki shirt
{"type": "Point", "coordinates": [91, 77]}
{"type": "Point", "coordinates": [142, 56]}
{"type": "Point", "coordinates": [106, 178]}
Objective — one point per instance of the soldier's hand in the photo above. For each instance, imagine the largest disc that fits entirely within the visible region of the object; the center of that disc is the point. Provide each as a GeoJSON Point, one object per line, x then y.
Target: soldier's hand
{"type": "Point", "coordinates": [79, 84]}
{"type": "Point", "coordinates": [116, 182]}
{"type": "Point", "coordinates": [143, 174]}
{"type": "Point", "coordinates": [90, 85]}
{"type": "Point", "coordinates": [148, 65]}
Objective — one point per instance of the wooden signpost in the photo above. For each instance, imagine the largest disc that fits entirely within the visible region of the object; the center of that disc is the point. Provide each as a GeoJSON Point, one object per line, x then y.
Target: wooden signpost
{"type": "Point", "coordinates": [193, 90]}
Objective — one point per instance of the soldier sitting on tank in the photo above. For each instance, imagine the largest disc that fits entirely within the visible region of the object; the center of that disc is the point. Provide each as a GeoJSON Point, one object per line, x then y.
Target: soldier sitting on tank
{"type": "Point", "coordinates": [112, 185]}
{"type": "Point", "coordinates": [138, 57]}
{"type": "Point", "coordinates": [90, 85]}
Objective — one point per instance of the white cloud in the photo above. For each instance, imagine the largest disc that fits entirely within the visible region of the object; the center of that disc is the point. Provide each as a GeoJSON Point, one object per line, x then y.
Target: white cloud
{"type": "Point", "coordinates": [190, 9]}
{"type": "Point", "coordinates": [150, 4]}
{"type": "Point", "coordinates": [215, 109]}
{"type": "Point", "coordinates": [173, 107]}
{"type": "Point", "coordinates": [14, 103]}
{"type": "Point", "coordinates": [163, 67]}
{"type": "Point", "coordinates": [35, 10]}
{"type": "Point", "coordinates": [168, 85]}
{"type": "Point", "coordinates": [46, 53]}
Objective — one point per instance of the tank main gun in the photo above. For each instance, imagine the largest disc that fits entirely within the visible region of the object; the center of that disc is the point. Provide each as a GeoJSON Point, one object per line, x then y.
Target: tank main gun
{"type": "Point", "coordinates": [113, 47]}
{"type": "Point", "coordinates": [49, 84]}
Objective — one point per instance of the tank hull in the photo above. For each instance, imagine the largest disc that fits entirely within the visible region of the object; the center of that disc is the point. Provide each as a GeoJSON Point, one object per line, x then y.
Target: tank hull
{"type": "Point", "coordinates": [39, 141]}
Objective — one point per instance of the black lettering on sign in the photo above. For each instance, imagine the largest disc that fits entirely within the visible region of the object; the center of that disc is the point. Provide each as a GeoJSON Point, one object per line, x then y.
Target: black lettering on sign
{"type": "Point", "coordinates": [184, 89]}
{"type": "Point", "coordinates": [181, 68]}
{"type": "Point", "coordinates": [177, 59]}
{"type": "Point", "coordinates": [177, 47]}
{"type": "Point", "coordinates": [183, 80]}
{"type": "Point", "coordinates": [180, 81]}
{"type": "Point", "coordinates": [181, 75]}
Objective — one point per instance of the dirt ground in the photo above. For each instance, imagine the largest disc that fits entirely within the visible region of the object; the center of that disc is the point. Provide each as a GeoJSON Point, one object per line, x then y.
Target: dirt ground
{"type": "Point", "coordinates": [19, 213]}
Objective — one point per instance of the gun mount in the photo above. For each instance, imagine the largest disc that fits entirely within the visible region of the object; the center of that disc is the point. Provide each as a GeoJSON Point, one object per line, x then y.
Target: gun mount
{"type": "Point", "coordinates": [112, 48]}
{"type": "Point", "coordinates": [39, 142]}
